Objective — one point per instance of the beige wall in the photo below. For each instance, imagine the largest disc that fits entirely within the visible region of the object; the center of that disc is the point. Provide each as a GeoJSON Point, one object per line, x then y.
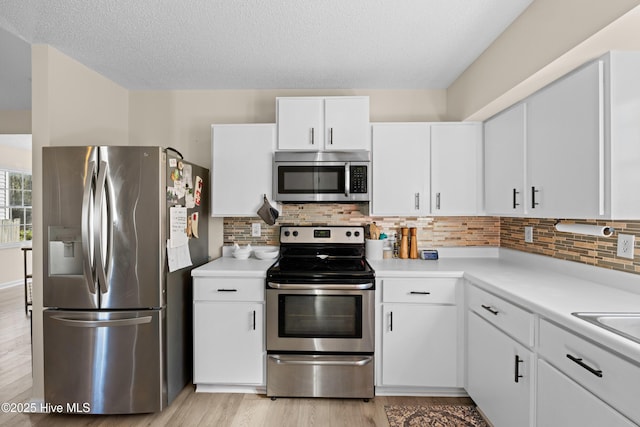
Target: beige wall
{"type": "Point", "coordinates": [549, 39]}
{"type": "Point", "coordinates": [11, 258]}
{"type": "Point", "coordinates": [15, 121]}
{"type": "Point", "coordinates": [15, 159]}
{"type": "Point", "coordinates": [72, 105]}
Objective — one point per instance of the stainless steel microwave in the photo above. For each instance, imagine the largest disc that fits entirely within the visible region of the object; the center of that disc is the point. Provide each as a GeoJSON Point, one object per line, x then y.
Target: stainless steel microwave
{"type": "Point", "coordinates": [322, 176]}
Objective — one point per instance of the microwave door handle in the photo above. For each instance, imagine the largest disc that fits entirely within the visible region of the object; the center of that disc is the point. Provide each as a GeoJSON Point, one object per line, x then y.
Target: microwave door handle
{"type": "Point", "coordinates": [86, 227]}
{"type": "Point", "coordinates": [347, 180]}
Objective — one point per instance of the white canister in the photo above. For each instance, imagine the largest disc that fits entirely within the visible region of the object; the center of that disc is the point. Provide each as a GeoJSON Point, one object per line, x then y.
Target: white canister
{"type": "Point", "coordinates": [373, 249]}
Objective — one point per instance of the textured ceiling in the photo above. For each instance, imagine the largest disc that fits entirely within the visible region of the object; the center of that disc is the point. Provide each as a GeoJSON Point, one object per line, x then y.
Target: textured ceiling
{"type": "Point", "coordinates": [266, 44]}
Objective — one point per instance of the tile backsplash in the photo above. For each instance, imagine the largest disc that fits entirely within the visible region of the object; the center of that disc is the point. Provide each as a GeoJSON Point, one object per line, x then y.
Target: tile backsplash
{"type": "Point", "coordinates": [598, 251]}
{"type": "Point", "coordinates": [435, 232]}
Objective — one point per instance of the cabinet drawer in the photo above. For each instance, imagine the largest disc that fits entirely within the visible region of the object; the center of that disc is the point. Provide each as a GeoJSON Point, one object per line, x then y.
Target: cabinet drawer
{"type": "Point", "coordinates": [428, 290]}
{"type": "Point", "coordinates": [611, 378]}
{"type": "Point", "coordinates": [512, 319]}
{"type": "Point", "coordinates": [558, 398]}
{"type": "Point", "coordinates": [228, 289]}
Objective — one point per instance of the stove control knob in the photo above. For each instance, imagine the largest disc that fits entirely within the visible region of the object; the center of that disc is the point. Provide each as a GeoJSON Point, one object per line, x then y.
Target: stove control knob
{"type": "Point", "coordinates": [286, 233]}
{"type": "Point", "coordinates": [357, 233]}
{"type": "Point", "coordinates": [348, 234]}
{"type": "Point", "coordinates": [295, 234]}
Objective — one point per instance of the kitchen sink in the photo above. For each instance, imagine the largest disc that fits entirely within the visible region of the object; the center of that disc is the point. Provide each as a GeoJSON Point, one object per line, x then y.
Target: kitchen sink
{"type": "Point", "coordinates": [624, 324]}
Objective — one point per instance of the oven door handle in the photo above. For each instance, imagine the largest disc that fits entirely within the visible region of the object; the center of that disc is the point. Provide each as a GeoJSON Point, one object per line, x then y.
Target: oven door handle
{"type": "Point", "coordinates": [326, 361]}
{"type": "Point", "coordinates": [329, 286]}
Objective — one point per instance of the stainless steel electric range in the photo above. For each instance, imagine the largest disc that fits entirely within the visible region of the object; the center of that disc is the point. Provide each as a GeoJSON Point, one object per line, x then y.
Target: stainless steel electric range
{"type": "Point", "coordinates": [320, 315]}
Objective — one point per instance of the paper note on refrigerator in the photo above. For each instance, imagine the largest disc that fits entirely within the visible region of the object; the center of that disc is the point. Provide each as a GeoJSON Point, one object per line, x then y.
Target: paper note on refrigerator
{"type": "Point", "coordinates": [178, 227]}
{"type": "Point", "coordinates": [178, 257]}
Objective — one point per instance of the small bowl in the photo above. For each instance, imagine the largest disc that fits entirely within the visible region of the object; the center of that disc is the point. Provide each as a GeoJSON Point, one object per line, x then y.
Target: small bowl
{"type": "Point", "coordinates": [241, 254]}
{"type": "Point", "coordinates": [266, 254]}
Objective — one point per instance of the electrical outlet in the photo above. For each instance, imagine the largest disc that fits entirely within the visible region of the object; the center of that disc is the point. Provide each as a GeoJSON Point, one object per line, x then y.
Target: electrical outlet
{"type": "Point", "coordinates": [528, 234]}
{"type": "Point", "coordinates": [626, 245]}
{"type": "Point", "coordinates": [255, 229]}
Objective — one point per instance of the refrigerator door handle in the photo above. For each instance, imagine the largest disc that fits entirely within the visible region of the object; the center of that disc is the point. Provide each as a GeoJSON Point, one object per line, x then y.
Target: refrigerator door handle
{"type": "Point", "coordinates": [102, 323]}
{"type": "Point", "coordinates": [86, 227]}
{"type": "Point", "coordinates": [101, 187]}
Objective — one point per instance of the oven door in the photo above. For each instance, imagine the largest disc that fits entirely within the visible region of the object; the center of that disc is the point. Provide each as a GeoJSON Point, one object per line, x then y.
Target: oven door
{"type": "Point", "coordinates": [312, 318]}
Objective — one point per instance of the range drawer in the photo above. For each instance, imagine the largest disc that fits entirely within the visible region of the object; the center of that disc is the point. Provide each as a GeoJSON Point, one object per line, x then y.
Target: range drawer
{"type": "Point", "coordinates": [228, 289]}
{"type": "Point", "coordinates": [610, 377]}
{"type": "Point", "coordinates": [508, 317]}
{"type": "Point", "coordinates": [427, 290]}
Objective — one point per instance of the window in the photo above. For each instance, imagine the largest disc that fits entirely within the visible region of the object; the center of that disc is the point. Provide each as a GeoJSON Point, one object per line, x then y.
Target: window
{"type": "Point", "coordinates": [15, 207]}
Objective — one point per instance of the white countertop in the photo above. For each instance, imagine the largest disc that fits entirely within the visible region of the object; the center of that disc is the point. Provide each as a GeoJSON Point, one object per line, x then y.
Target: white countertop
{"type": "Point", "coordinates": [552, 288]}
{"type": "Point", "coordinates": [232, 267]}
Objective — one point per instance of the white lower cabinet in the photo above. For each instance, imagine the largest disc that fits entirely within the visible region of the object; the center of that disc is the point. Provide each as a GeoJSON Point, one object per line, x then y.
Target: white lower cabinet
{"type": "Point", "coordinates": [419, 338]}
{"type": "Point", "coordinates": [562, 402]}
{"type": "Point", "coordinates": [498, 374]}
{"type": "Point", "coordinates": [606, 380]}
{"type": "Point", "coordinates": [228, 334]}
{"type": "Point", "coordinates": [499, 358]}
{"type": "Point", "coordinates": [419, 345]}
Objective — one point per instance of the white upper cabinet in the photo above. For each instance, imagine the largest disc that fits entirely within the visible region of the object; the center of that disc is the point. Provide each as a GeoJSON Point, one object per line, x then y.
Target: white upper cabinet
{"type": "Point", "coordinates": [504, 146]}
{"type": "Point", "coordinates": [456, 168]}
{"type": "Point", "coordinates": [300, 123]}
{"type": "Point", "coordinates": [400, 154]}
{"type": "Point", "coordinates": [581, 142]}
{"type": "Point", "coordinates": [323, 123]}
{"type": "Point", "coordinates": [242, 161]}
{"type": "Point", "coordinates": [565, 147]}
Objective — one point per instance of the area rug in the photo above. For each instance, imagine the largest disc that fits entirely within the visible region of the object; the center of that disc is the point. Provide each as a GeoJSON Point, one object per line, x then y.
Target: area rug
{"type": "Point", "coordinates": [434, 416]}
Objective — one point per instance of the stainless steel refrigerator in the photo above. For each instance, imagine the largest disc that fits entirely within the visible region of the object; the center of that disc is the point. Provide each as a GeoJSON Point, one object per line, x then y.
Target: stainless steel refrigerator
{"type": "Point", "coordinates": [117, 322]}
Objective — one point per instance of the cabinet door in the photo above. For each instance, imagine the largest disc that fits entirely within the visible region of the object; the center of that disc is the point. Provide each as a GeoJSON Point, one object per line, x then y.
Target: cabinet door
{"type": "Point", "coordinates": [419, 345]}
{"type": "Point", "coordinates": [347, 124]}
{"type": "Point", "coordinates": [492, 369]}
{"type": "Point", "coordinates": [565, 147]}
{"type": "Point", "coordinates": [562, 402]}
{"type": "Point", "coordinates": [300, 123]}
{"type": "Point", "coordinates": [400, 156]}
{"type": "Point", "coordinates": [455, 179]}
{"type": "Point", "coordinates": [504, 143]}
{"type": "Point", "coordinates": [228, 345]}
{"type": "Point", "coordinates": [242, 159]}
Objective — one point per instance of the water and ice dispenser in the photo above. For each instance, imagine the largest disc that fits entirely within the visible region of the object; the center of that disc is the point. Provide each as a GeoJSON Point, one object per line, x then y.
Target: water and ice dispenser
{"type": "Point", "coordinates": [65, 251]}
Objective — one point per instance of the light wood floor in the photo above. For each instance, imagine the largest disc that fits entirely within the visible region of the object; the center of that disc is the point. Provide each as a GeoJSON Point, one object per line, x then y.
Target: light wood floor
{"type": "Point", "coordinates": [189, 408]}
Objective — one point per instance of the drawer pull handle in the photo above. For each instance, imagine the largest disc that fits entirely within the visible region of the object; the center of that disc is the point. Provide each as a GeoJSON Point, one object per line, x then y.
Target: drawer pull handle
{"type": "Point", "coordinates": [517, 375]}
{"type": "Point", "coordinates": [227, 290]}
{"type": "Point", "coordinates": [579, 361]}
{"type": "Point", "coordinates": [490, 310]}
{"type": "Point", "coordinates": [391, 321]}
{"type": "Point", "coordinates": [254, 320]}
{"type": "Point", "coordinates": [419, 293]}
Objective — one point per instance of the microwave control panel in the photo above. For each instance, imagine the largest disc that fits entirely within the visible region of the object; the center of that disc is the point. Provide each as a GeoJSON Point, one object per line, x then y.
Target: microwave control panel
{"type": "Point", "coordinates": [358, 179]}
